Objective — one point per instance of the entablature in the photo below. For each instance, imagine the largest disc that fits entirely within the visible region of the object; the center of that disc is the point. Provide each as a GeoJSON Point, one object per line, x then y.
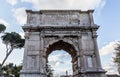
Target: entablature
{"type": "Point", "coordinates": [59, 28]}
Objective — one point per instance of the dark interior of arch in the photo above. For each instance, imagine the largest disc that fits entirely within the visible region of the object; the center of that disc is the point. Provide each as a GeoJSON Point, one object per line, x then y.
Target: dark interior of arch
{"type": "Point", "coordinates": [61, 45]}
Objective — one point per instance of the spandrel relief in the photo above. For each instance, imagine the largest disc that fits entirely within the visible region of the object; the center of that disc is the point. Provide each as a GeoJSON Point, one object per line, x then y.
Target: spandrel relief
{"type": "Point", "coordinates": [48, 40]}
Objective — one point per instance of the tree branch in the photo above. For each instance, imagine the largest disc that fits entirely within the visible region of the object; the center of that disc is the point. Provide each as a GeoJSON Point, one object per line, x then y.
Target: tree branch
{"type": "Point", "coordinates": [7, 49]}
{"type": "Point", "coordinates": [6, 56]}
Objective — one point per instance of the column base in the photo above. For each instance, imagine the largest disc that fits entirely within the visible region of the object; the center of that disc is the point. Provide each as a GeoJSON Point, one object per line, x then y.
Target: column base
{"type": "Point", "coordinates": [92, 73]}
{"type": "Point", "coordinates": [33, 73]}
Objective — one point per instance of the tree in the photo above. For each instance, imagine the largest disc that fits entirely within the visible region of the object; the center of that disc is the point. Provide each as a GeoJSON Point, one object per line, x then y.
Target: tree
{"type": "Point", "coordinates": [49, 71]}
{"type": "Point", "coordinates": [117, 55]}
{"type": "Point", "coordinates": [11, 69]}
{"type": "Point", "coordinates": [16, 70]}
{"type": "Point", "coordinates": [12, 41]}
{"type": "Point", "coordinates": [7, 69]}
{"type": "Point", "coordinates": [2, 28]}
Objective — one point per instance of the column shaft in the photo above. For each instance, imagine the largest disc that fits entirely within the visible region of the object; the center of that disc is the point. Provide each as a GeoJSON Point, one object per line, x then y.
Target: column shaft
{"type": "Point", "coordinates": [97, 52]}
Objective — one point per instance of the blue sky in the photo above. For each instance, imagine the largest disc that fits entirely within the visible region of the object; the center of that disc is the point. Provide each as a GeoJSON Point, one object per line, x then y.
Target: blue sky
{"type": "Point", "coordinates": [12, 14]}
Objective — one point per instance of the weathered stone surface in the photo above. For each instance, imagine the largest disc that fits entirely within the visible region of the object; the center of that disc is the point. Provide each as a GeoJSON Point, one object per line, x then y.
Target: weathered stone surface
{"type": "Point", "coordinates": [59, 17]}
{"type": "Point", "coordinates": [71, 30]}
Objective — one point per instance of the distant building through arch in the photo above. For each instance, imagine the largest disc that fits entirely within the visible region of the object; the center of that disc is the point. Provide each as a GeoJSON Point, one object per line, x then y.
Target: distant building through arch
{"type": "Point", "coordinates": [71, 30]}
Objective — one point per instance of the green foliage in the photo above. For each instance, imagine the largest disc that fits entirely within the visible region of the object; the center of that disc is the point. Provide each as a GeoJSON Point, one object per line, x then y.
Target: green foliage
{"type": "Point", "coordinates": [117, 55]}
{"type": "Point", "coordinates": [16, 70]}
{"type": "Point", "coordinates": [12, 41]}
{"type": "Point", "coordinates": [2, 28]}
{"type": "Point", "coordinates": [11, 69]}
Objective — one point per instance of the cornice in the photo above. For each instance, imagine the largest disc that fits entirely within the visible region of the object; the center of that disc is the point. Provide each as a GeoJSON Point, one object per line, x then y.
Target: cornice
{"type": "Point", "coordinates": [55, 28]}
{"type": "Point", "coordinates": [59, 10]}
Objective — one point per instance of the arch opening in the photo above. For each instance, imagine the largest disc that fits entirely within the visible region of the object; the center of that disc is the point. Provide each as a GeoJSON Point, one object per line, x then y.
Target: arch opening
{"type": "Point", "coordinates": [67, 49]}
{"type": "Point", "coordinates": [59, 61]}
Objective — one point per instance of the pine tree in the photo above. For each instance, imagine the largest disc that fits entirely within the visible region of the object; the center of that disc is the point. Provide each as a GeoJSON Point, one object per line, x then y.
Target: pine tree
{"type": "Point", "coordinates": [117, 55]}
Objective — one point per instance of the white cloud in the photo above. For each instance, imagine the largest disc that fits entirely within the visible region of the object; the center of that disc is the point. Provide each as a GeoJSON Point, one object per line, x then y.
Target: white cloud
{"type": "Point", "coordinates": [22, 34]}
{"type": "Point", "coordinates": [4, 22]}
{"type": "Point", "coordinates": [59, 61]}
{"type": "Point", "coordinates": [66, 4]}
{"type": "Point", "coordinates": [20, 15]}
{"type": "Point", "coordinates": [111, 68]}
{"type": "Point", "coordinates": [12, 2]}
{"type": "Point", "coordinates": [109, 48]}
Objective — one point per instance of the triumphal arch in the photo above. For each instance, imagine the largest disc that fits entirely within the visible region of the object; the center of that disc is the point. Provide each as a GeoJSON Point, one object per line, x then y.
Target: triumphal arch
{"type": "Point", "coordinates": [71, 30]}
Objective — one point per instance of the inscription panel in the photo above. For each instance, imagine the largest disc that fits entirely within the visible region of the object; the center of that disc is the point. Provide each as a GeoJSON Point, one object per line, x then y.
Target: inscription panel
{"type": "Point", "coordinates": [60, 19]}
{"type": "Point", "coordinates": [56, 18]}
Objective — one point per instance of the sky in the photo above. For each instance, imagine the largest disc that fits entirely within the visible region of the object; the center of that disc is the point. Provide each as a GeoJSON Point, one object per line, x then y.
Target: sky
{"type": "Point", "coordinates": [106, 15]}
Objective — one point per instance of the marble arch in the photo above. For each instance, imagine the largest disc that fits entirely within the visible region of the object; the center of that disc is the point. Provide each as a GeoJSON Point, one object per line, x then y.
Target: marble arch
{"type": "Point", "coordinates": [62, 45]}
{"type": "Point", "coordinates": [71, 30]}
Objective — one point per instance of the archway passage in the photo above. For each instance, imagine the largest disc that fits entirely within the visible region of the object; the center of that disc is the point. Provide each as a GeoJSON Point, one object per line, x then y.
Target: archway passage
{"type": "Point", "coordinates": [59, 63]}
{"type": "Point", "coordinates": [61, 45]}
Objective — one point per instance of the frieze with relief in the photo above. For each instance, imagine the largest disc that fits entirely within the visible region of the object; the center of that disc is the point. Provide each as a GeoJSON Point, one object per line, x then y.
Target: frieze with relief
{"type": "Point", "coordinates": [62, 32]}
